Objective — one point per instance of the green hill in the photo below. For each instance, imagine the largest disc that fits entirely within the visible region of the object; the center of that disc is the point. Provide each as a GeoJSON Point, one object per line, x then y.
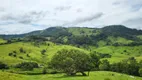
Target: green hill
{"type": "Point", "coordinates": [31, 52]}
{"type": "Point", "coordinates": [97, 75]}
{"type": "Point", "coordinates": [116, 41]}
{"type": "Point", "coordinates": [110, 35]}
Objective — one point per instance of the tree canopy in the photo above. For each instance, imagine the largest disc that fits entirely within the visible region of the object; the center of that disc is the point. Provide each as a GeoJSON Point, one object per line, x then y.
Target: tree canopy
{"type": "Point", "coordinates": [71, 61]}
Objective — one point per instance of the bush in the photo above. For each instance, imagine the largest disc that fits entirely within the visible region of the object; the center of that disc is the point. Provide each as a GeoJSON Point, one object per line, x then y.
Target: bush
{"type": "Point", "coordinates": [10, 54]}
{"type": "Point", "coordinates": [21, 57]}
{"type": "Point", "coordinates": [3, 66]}
{"type": "Point", "coordinates": [43, 52]}
{"type": "Point", "coordinates": [27, 65]}
{"type": "Point", "coordinates": [22, 50]}
{"type": "Point", "coordinates": [14, 55]}
{"type": "Point", "coordinates": [14, 52]}
{"type": "Point", "coordinates": [53, 72]}
{"type": "Point", "coordinates": [28, 55]}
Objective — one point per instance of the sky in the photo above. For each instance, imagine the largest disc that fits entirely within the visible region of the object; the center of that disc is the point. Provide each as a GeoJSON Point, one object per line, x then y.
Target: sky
{"type": "Point", "coordinates": [23, 16]}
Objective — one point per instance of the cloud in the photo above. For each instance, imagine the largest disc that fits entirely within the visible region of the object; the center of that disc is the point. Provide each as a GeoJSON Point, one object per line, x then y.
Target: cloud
{"type": "Point", "coordinates": [2, 9]}
{"type": "Point", "coordinates": [133, 23]}
{"type": "Point", "coordinates": [79, 10]}
{"type": "Point", "coordinates": [63, 8]}
{"type": "Point", "coordinates": [25, 18]}
{"type": "Point", "coordinates": [17, 28]}
{"type": "Point", "coordinates": [116, 3]}
{"type": "Point", "coordinates": [40, 14]}
{"type": "Point", "coordinates": [136, 7]}
{"type": "Point", "coordinates": [85, 19]}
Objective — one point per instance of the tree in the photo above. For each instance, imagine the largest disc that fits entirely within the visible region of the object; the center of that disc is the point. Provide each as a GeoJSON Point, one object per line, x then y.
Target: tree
{"type": "Point", "coordinates": [129, 66]}
{"type": "Point", "coordinates": [95, 60]}
{"type": "Point", "coordinates": [44, 71]}
{"type": "Point", "coordinates": [21, 50]}
{"type": "Point", "coordinates": [70, 61]}
{"type": "Point", "coordinates": [104, 65]}
{"type": "Point", "coordinates": [140, 71]}
{"type": "Point", "coordinates": [9, 41]}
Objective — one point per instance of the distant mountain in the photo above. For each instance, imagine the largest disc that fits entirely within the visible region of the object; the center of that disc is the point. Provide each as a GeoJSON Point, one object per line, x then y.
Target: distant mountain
{"type": "Point", "coordinates": [120, 30]}
{"type": "Point", "coordinates": [108, 35]}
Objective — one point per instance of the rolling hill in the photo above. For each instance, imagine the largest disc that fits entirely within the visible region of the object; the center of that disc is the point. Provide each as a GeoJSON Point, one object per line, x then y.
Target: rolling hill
{"type": "Point", "coordinates": [40, 46]}
{"type": "Point", "coordinates": [110, 35]}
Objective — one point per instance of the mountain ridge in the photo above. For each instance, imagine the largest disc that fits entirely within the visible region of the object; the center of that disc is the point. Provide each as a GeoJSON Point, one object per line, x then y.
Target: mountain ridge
{"type": "Point", "coordinates": [108, 35]}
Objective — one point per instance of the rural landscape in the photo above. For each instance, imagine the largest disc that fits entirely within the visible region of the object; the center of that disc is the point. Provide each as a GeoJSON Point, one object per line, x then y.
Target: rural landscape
{"type": "Point", "coordinates": [57, 53]}
{"type": "Point", "coordinates": [70, 39]}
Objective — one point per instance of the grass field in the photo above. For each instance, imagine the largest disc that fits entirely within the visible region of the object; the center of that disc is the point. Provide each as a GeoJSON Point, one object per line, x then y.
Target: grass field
{"type": "Point", "coordinates": [121, 52]}
{"type": "Point", "coordinates": [118, 54]}
{"type": "Point", "coordinates": [2, 41]}
{"type": "Point", "coordinates": [33, 51]}
{"type": "Point", "coordinates": [98, 75]}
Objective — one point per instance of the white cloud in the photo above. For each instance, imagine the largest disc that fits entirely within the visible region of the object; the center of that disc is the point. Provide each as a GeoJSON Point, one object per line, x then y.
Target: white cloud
{"type": "Point", "coordinates": [17, 29]}
{"type": "Point", "coordinates": [20, 16]}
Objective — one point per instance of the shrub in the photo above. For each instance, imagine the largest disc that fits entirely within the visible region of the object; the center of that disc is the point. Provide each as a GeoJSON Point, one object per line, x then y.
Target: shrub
{"type": "Point", "coordinates": [22, 50]}
{"type": "Point", "coordinates": [53, 72]}
{"type": "Point", "coordinates": [10, 54]}
{"type": "Point", "coordinates": [43, 52]}
{"type": "Point", "coordinates": [3, 66]}
{"type": "Point", "coordinates": [27, 65]}
{"type": "Point", "coordinates": [14, 52]}
{"type": "Point", "coordinates": [28, 55]}
{"type": "Point", "coordinates": [20, 57]}
{"type": "Point", "coordinates": [14, 55]}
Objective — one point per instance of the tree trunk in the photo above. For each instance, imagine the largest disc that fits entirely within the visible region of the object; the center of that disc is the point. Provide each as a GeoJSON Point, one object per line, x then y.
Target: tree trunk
{"type": "Point", "coordinates": [88, 73]}
{"type": "Point", "coordinates": [83, 74]}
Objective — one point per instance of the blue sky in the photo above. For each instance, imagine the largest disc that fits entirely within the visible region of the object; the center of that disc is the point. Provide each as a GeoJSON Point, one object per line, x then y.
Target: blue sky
{"type": "Point", "coordinates": [22, 16]}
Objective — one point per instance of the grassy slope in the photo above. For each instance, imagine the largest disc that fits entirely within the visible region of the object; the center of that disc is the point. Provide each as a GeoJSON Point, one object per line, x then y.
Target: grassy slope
{"type": "Point", "coordinates": [77, 31]}
{"type": "Point", "coordinates": [98, 75]}
{"type": "Point", "coordinates": [118, 53]}
{"type": "Point", "coordinates": [119, 40]}
{"type": "Point", "coordinates": [2, 41]}
{"type": "Point", "coordinates": [33, 51]}
{"type": "Point", "coordinates": [140, 36]}
{"type": "Point", "coordinates": [83, 31]}
{"type": "Point", "coordinates": [121, 52]}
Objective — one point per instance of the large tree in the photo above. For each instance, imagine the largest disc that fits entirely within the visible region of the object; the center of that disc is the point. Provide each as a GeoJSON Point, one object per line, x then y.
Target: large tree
{"type": "Point", "coordinates": [71, 61]}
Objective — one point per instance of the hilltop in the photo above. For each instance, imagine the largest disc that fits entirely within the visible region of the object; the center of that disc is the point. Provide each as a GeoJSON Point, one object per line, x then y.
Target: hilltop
{"type": "Point", "coordinates": [116, 35]}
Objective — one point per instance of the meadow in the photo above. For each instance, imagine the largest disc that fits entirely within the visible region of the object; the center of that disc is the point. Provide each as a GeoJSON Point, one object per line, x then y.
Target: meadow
{"type": "Point", "coordinates": [97, 75]}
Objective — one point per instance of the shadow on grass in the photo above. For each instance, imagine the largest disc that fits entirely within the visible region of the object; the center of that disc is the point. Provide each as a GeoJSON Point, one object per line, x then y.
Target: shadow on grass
{"type": "Point", "coordinates": [67, 76]}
